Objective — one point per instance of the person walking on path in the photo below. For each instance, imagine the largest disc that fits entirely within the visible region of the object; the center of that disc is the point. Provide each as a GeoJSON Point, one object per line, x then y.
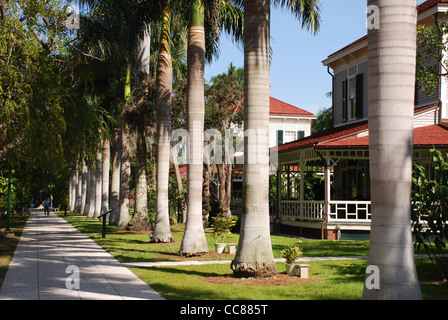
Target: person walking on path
{"type": "Point", "coordinates": [47, 207]}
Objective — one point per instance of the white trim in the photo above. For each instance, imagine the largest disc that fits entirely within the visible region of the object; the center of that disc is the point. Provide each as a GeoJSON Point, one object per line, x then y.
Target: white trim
{"type": "Point", "coordinates": [290, 116]}
{"type": "Point", "coordinates": [438, 8]}
{"type": "Point", "coordinates": [348, 51]}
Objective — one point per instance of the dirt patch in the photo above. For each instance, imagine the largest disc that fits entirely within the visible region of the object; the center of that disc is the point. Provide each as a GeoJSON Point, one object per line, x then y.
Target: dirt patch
{"type": "Point", "coordinates": [130, 232]}
{"type": "Point", "coordinates": [280, 279]}
{"type": "Point", "coordinates": [207, 256]}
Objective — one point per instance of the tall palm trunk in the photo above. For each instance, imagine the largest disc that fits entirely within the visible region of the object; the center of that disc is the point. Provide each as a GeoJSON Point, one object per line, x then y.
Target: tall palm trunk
{"type": "Point", "coordinates": [139, 219]}
{"type": "Point", "coordinates": [125, 178]}
{"type": "Point", "coordinates": [98, 183]}
{"type": "Point", "coordinates": [92, 194]}
{"type": "Point", "coordinates": [72, 188]}
{"type": "Point", "coordinates": [254, 256]}
{"type": "Point", "coordinates": [78, 191]}
{"type": "Point", "coordinates": [180, 189]}
{"type": "Point", "coordinates": [162, 230]}
{"type": "Point", "coordinates": [115, 179]}
{"type": "Point", "coordinates": [105, 177]}
{"type": "Point", "coordinates": [125, 168]}
{"type": "Point", "coordinates": [84, 176]}
{"type": "Point", "coordinates": [392, 58]}
{"type": "Point", "coordinates": [194, 241]}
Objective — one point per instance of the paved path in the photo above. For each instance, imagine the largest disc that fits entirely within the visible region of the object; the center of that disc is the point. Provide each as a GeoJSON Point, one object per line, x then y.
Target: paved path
{"type": "Point", "coordinates": [49, 248]}
{"type": "Point", "coordinates": [203, 262]}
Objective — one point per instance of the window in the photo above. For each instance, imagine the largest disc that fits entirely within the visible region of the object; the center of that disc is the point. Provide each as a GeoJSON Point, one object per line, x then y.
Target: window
{"type": "Point", "coordinates": [290, 136]}
{"type": "Point", "coordinates": [279, 137]}
{"type": "Point", "coordinates": [352, 97]}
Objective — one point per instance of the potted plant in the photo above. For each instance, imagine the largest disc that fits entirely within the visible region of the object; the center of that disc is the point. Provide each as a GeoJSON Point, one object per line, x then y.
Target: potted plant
{"type": "Point", "coordinates": [221, 228]}
{"type": "Point", "coordinates": [291, 253]}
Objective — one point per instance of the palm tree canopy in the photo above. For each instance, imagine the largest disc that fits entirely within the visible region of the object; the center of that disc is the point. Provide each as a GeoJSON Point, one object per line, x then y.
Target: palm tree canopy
{"type": "Point", "coordinates": [306, 11]}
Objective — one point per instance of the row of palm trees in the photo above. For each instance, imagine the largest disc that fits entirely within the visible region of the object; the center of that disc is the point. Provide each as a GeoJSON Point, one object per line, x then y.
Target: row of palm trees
{"type": "Point", "coordinates": [391, 84]}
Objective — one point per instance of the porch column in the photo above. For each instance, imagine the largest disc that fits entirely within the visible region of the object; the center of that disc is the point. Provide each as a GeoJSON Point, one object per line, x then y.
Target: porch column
{"type": "Point", "coordinates": [279, 190]}
{"type": "Point", "coordinates": [327, 194]}
{"type": "Point", "coordinates": [302, 182]}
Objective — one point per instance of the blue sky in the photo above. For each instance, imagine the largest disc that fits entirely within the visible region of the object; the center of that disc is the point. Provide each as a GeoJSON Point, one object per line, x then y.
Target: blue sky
{"type": "Point", "coordinates": [297, 74]}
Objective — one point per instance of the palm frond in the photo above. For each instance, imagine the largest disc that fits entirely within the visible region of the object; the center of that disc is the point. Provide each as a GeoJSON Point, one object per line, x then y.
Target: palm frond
{"type": "Point", "coordinates": [306, 11]}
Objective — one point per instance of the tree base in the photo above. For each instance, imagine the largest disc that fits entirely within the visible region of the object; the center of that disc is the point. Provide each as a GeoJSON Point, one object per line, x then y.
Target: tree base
{"type": "Point", "coordinates": [259, 272]}
{"type": "Point", "coordinates": [192, 254]}
{"type": "Point", "coordinates": [140, 225]}
{"type": "Point", "coordinates": [162, 240]}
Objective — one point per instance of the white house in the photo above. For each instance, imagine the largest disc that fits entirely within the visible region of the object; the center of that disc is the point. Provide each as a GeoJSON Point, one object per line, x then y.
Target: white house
{"type": "Point", "coordinates": [287, 122]}
{"type": "Point", "coordinates": [342, 209]}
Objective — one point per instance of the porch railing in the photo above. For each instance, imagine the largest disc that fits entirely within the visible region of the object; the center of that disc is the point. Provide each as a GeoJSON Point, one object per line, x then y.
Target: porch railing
{"type": "Point", "coordinates": [350, 211]}
{"type": "Point", "coordinates": [339, 210]}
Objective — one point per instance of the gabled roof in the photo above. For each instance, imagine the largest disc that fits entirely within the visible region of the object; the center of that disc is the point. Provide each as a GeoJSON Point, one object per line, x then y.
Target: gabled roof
{"type": "Point", "coordinates": [356, 135]}
{"type": "Point", "coordinates": [429, 4]}
{"type": "Point", "coordinates": [422, 7]}
{"type": "Point", "coordinates": [279, 107]}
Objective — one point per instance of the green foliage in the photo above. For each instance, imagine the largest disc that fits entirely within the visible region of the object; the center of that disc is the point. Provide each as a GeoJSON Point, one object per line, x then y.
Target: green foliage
{"type": "Point", "coordinates": [222, 227]}
{"type": "Point", "coordinates": [323, 121]}
{"type": "Point", "coordinates": [292, 252]}
{"type": "Point", "coordinates": [430, 209]}
{"type": "Point", "coordinates": [431, 61]}
{"type": "Point", "coordinates": [224, 100]}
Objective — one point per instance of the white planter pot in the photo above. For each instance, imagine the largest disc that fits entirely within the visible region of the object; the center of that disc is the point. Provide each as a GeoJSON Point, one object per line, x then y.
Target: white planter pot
{"type": "Point", "coordinates": [220, 247]}
{"type": "Point", "coordinates": [291, 269]}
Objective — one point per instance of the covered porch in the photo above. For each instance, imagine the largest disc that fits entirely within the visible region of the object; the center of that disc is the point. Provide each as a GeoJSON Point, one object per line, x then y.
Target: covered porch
{"type": "Point", "coordinates": [323, 193]}
{"type": "Point", "coordinates": [323, 181]}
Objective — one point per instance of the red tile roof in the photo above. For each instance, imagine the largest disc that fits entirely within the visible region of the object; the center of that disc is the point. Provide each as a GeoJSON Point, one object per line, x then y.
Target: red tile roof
{"type": "Point", "coordinates": [327, 135]}
{"type": "Point", "coordinates": [347, 136]}
{"type": "Point", "coordinates": [424, 137]}
{"type": "Point", "coordinates": [279, 107]}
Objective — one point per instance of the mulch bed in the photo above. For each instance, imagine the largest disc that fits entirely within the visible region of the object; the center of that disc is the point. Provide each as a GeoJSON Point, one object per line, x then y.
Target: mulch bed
{"type": "Point", "coordinates": [280, 279]}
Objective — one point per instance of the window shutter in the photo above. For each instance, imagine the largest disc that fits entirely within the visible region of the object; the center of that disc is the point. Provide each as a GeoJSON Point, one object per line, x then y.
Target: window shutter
{"type": "Point", "coordinates": [300, 134]}
{"type": "Point", "coordinates": [416, 102]}
{"type": "Point", "coordinates": [359, 96]}
{"type": "Point", "coordinates": [344, 99]}
{"type": "Point", "coordinates": [279, 137]}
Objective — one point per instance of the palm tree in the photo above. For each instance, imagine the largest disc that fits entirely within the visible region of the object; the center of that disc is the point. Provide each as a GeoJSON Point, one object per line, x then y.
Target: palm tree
{"type": "Point", "coordinates": [106, 169]}
{"type": "Point", "coordinates": [98, 183]}
{"type": "Point", "coordinates": [202, 44]}
{"type": "Point", "coordinates": [194, 241]}
{"type": "Point", "coordinates": [115, 179]}
{"type": "Point", "coordinates": [125, 167]}
{"type": "Point", "coordinates": [391, 107]}
{"type": "Point", "coordinates": [142, 65]}
{"type": "Point", "coordinates": [162, 231]}
{"type": "Point", "coordinates": [254, 256]}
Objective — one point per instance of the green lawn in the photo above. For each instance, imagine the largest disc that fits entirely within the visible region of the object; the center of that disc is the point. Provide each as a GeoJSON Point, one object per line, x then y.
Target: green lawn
{"type": "Point", "coordinates": [8, 245]}
{"type": "Point", "coordinates": [340, 280]}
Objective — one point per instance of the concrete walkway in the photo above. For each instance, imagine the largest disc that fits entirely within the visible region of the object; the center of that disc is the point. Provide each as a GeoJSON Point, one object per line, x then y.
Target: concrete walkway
{"type": "Point", "coordinates": [54, 261]}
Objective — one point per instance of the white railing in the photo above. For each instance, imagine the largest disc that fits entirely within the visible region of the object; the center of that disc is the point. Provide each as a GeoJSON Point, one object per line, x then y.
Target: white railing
{"type": "Point", "coordinates": [312, 210]}
{"type": "Point", "coordinates": [350, 211]}
{"type": "Point", "coordinates": [340, 210]}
